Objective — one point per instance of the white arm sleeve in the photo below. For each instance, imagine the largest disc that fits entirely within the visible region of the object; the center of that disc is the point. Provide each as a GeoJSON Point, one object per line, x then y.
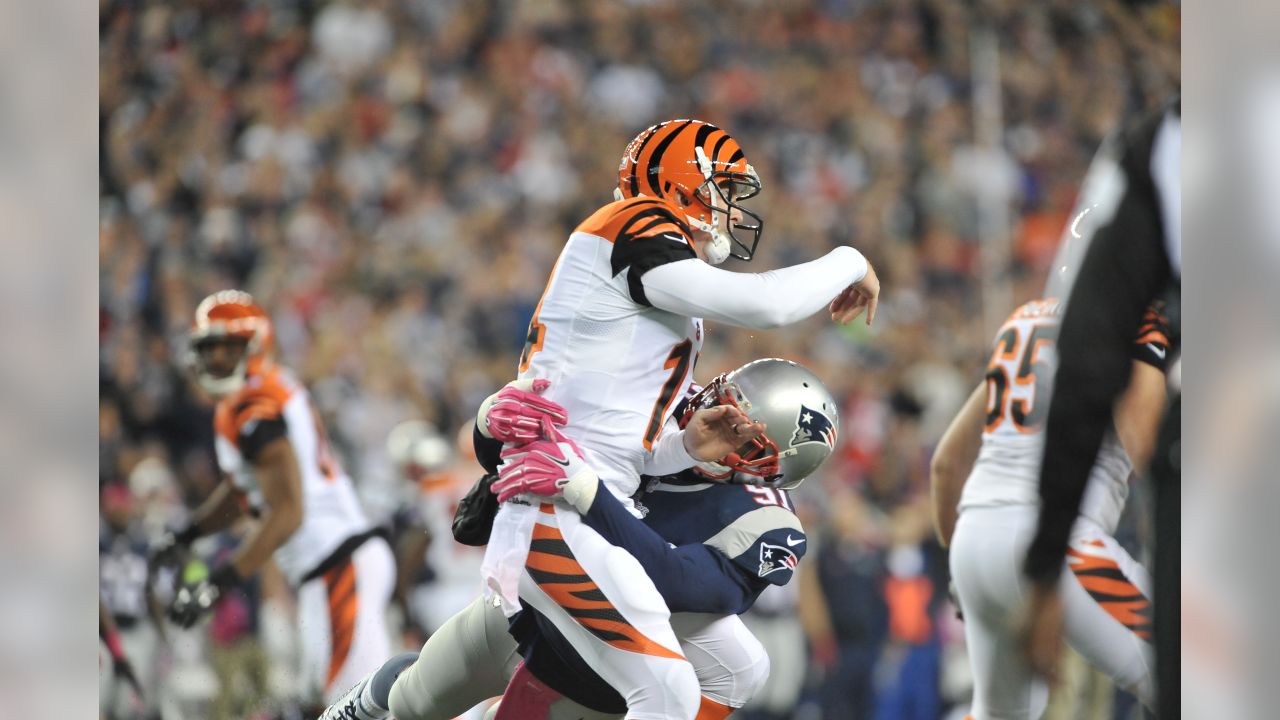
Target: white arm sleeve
{"type": "Point", "coordinates": [759, 301]}
{"type": "Point", "coordinates": [669, 455]}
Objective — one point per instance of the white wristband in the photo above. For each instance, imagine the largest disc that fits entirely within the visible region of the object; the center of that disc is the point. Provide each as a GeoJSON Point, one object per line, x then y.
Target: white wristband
{"type": "Point", "coordinates": [580, 491]}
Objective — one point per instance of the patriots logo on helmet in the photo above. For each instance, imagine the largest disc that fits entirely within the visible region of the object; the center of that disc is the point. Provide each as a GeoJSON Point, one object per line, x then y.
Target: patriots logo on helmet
{"type": "Point", "coordinates": [813, 426]}
{"type": "Point", "coordinates": [775, 557]}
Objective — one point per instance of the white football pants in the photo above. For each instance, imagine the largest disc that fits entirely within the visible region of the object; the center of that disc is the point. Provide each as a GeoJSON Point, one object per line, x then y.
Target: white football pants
{"type": "Point", "coordinates": [342, 621]}
{"type": "Point", "coordinates": [600, 599]}
{"type": "Point", "coordinates": [1107, 609]}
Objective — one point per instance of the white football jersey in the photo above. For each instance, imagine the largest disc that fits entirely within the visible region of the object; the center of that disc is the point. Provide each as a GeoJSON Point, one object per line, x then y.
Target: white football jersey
{"type": "Point", "coordinates": [616, 364]}
{"type": "Point", "coordinates": [269, 406]}
{"type": "Point", "coordinates": [1019, 384]}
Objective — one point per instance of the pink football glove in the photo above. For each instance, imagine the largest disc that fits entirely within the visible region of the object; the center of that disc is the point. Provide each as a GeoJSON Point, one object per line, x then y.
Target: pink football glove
{"type": "Point", "coordinates": [521, 416]}
{"type": "Point", "coordinates": [542, 468]}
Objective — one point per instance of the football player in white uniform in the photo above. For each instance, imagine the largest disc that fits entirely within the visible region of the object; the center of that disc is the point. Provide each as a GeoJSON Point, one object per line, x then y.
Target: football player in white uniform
{"type": "Point", "coordinates": [999, 434]}
{"type": "Point", "coordinates": [277, 465]}
{"type": "Point", "coordinates": [617, 334]}
{"type": "Point", "coordinates": [711, 541]}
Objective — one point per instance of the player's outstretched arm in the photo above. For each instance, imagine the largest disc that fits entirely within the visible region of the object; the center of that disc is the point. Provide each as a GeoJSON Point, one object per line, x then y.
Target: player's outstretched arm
{"type": "Point", "coordinates": [765, 300]}
{"type": "Point", "coordinates": [952, 461]}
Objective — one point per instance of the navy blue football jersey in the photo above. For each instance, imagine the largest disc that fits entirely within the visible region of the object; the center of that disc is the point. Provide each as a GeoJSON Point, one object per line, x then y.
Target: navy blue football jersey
{"type": "Point", "coordinates": [755, 527]}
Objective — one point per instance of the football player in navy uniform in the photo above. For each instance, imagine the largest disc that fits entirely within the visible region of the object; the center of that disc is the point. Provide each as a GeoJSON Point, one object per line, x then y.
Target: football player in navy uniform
{"type": "Point", "coordinates": [710, 541]}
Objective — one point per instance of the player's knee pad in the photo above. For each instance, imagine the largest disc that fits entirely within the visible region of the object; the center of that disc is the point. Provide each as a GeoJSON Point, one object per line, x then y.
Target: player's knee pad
{"type": "Point", "coordinates": [732, 671]}
{"type": "Point", "coordinates": [747, 676]}
{"type": "Point", "coordinates": [753, 678]}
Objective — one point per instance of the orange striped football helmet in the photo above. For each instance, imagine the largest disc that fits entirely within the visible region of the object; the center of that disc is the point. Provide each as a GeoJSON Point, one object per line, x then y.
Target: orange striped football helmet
{"type": "Point", "coordinates": [223, 316]}
{"type": "Point", "coordinates": [701, 170]}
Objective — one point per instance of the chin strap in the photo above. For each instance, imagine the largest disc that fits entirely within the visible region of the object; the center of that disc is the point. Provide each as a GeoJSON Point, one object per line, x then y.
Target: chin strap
{"type": "Point", "coordinates": [718, 249]}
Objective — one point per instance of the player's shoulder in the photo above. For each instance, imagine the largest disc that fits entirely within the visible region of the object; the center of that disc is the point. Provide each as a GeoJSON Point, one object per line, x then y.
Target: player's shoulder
{"type": "Point", "coordinates": [263, 397]}
{"type": "Point", "coordinates": [751, 512]}
{"type": "Point", "coordinates": [637, 219]}
{"type": "Point", "coordinates": [765, 537]}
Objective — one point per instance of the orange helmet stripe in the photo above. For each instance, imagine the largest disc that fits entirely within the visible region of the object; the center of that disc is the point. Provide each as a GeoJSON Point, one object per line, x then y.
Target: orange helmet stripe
{"type": "Point", "coordinates": [653, 162]}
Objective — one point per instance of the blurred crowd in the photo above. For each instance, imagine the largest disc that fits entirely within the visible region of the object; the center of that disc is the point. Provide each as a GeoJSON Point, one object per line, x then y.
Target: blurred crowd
{"type": "Point", "coordinates": [394, 179]}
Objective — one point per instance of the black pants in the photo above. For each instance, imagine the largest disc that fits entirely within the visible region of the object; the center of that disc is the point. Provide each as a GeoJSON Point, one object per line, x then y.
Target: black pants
{"type": "Point", "coordinates": [1166, 478]}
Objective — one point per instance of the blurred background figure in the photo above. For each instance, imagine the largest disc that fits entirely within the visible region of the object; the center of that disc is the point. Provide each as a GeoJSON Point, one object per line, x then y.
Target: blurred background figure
{"type": "Point", "coordinates": [437, 577]}
{"type": "Point", "coordinates": [393, 181]}
{"type": "Point", "coordinates": [126, 598]}
{"type": "Point", "coordinates": [239, 661]}
{"type": "Point", "coordinates": [845, 607]}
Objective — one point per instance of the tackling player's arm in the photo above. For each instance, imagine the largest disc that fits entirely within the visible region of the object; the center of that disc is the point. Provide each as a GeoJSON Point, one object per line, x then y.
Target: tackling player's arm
{"type": "Point", "coordinates": [952, 461]}
{"type": "Point", "coordinates": [691, 578]}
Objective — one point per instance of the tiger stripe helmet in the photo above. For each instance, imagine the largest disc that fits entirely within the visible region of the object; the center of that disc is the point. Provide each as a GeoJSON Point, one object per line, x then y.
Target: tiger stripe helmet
{"type": "Point", "coordinates": [701, 170]}
{"type": "Point", "coordinates": [230, 314]}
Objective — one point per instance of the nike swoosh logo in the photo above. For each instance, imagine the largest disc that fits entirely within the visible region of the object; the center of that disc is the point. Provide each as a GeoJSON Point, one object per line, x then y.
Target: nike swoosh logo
{"type": "Point", "coordinates": [561, 463]}
{"type": "Point", "coordinates": [792, 542]}
{"type": "Point", "coordinates": [677, 238]}
{"type": "Point", "coordinates": [1159, 351]}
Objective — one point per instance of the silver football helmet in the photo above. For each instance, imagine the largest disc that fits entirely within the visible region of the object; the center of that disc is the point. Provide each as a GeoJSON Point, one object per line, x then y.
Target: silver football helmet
{"type": "Point", "coordinates": [800, 413]}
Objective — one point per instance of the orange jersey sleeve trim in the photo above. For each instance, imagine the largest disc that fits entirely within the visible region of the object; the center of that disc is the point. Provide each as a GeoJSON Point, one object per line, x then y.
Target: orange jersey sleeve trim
{"type": "Point", "coordinates": [262, 398]}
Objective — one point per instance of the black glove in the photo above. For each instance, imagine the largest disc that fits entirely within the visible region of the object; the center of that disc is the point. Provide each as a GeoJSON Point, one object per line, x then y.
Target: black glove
{"type": "Point", "coordinates": [172, 548]}
{"type": "Point", "coordinates": [199, 590]}
{"type": "Point", "coordinates": [473, 521]}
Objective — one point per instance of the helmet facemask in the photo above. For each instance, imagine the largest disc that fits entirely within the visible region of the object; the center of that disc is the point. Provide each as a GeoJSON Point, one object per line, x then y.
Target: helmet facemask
{"type": "Point", "coordinates": [215, 384]}
{"type": "Point", "coordinates": [756, 462]}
